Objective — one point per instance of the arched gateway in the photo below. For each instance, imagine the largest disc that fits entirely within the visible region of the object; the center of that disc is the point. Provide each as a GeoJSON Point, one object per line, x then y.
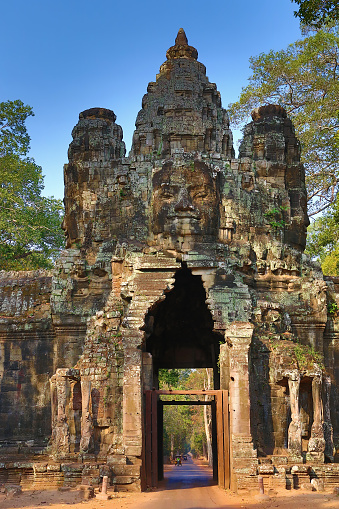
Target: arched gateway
{"type": "Point", "coordinates": [178, 255]}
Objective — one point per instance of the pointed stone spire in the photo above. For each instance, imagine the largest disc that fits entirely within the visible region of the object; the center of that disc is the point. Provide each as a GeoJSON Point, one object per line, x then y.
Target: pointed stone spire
{"type": "Point", "coordinates": [181, 39]}
{"type": "Point", "coordinates": [182, 110]}
{"type": "Point", "coordinates": [181, 49]}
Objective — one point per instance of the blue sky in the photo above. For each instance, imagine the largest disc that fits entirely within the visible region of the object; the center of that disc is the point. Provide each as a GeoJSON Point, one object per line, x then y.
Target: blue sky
{"type": "Point", "coordinates": [64, 57]}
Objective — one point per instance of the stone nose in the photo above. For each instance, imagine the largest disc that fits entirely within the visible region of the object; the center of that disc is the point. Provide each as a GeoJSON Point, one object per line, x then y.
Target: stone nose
{"type": "Point", "coordinates": [184, 203]}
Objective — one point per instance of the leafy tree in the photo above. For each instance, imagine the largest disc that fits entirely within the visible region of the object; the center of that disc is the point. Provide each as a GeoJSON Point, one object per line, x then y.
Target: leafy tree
{"type": "Point", "coordinates": [323, 240]}
{"type": "Point", "coordinates": [304, 78]}
{"type": "Point", "coordinates": [173, 378]}
{"type": "Point", "coordinates": [30, 224]}
{"type": "Point", "coordinates": [14, 138]}
{"type": "Point", "coordinates": [186, 427]}
{"type": "Point", "coordinates": [178, 428]}
{"type": "Point", "coordinates": [317, 12]}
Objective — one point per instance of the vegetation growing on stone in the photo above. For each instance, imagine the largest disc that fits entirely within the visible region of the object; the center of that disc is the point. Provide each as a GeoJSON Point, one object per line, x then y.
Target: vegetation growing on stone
{"type": "Point", "coordinates": [275, 217]}
{"type": "Point", "coordinates": [332, 308]}
{"type": "Point", "coordinates": [194, 269]}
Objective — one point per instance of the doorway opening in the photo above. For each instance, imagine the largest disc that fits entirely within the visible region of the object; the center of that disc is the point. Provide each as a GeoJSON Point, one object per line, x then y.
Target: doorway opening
{"type": "Point", "coordinates": [186, 428]}
{"type": "Point", "coordinates": [180, 335]}
{"type": "Point", "coordinates": [153, 469]}
{"type": "Point", "coordinates": [189, 421]}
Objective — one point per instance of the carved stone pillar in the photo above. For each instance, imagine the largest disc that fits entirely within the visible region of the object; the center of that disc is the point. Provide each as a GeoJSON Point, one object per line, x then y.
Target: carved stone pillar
{"type": "Point", "coordinates": [147, 371]}
{"type": "Point", "coordinates": [224, 365]}
{"type": "Point", "coordinates": [243, 455]}
{"type": "Point", "coordinates": [54, 407]}
{"type": "Point", "coordinates": [294, 429]}
{"type": "Point", "coordinates": [316, 444]}
{"type": "Point", "coordinates": [132, 424]}
{"type": "Point", "coordinates": [61, 431]}
{"type": "Point", "coordinates": [328, 428]}
{"type": "Point", "coordinates": [87, 431]}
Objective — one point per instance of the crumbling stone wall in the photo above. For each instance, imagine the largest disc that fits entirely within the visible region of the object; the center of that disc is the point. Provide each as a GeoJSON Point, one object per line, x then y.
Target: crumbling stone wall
{"type": "Point", "coordinates": [26, 356]}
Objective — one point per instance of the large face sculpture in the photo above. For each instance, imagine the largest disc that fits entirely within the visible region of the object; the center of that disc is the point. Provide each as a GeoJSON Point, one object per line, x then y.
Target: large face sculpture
{"type": "Point", "coordinates": [185, 205]}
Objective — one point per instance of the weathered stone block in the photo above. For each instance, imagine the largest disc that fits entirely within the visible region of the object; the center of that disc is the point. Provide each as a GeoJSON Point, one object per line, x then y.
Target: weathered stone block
{"type": "Point", "coordinates": [40, 467]}
{"type": "Point", "coordinates": [116, 459]}
{"type": "Point", "coordinates": [123, 479]}
{"type": "Point", "coordinates": [132, 450]}
{"type": "Point", "coordinates": [86, 492]}
{"type": "Point", "coordinates": [266, 469]}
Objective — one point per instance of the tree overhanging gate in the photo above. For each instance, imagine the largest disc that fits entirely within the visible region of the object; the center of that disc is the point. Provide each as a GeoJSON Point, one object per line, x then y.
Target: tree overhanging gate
{"type": "Point", "coordinates": [152, 461]}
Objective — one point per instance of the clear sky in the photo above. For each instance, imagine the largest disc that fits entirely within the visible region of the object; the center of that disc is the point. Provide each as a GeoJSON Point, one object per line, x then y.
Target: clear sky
{"type": "Point", "coordinates": [62, 57]}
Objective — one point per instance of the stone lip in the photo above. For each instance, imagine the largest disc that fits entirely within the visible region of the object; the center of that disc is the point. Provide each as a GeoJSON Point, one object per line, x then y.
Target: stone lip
{"type": "Point", "coordinates": [269, 110]}
{"type": "Point", "coordinates": [93, 113]}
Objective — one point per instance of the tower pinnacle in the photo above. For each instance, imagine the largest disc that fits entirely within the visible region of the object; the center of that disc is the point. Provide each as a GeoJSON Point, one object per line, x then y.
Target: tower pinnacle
{"type": "Point", "coordinates": [181, 49]}
{"type": "Point", "coordinates": [181, 39]}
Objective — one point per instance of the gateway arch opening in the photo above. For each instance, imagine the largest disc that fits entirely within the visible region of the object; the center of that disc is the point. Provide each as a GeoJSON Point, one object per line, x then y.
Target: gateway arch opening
{"type": "Point", "coordinates": [179, 334]}
{"type": "Point", "coordinates": [179, 330]}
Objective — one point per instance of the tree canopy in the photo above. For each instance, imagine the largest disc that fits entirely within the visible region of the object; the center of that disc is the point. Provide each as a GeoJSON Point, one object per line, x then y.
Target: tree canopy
{"type": "Point", "coordinates": [30, 224]}
{"type": "Point", "coordinates": [184, 425]}
{"type": "Point", "coordinates": [323, 240]}
{"type": "Point", "coordinates": [304, 79]}
{"type": "Point", "coordinates": [317, 12]}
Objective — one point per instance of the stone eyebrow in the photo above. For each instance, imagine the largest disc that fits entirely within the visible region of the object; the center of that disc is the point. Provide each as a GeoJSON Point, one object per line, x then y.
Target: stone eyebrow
{"type": "Point", "coordinates": [169, 184]}
{"type": "Point", "coordinates": [199, 184]}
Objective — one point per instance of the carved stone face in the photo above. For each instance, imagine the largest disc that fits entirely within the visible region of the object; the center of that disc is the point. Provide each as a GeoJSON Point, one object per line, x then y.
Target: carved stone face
{"type": "Point", "coordinates": [185, 203]}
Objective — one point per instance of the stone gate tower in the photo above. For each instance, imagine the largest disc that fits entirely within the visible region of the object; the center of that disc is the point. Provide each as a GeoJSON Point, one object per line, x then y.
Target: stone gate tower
{"type": "Point", "coordinates": [177, 256]}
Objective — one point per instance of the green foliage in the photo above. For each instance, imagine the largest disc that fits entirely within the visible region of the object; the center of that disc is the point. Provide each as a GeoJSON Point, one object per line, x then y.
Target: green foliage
{"type": "Point", "coordinates": [30, 224]}
{"type": "Point", "coordinates": [323, 240]}
{"type": "Point", "coordinates": [332, 308]}
{"type": "Point", "coordinates": [183, 424]}
{"type": "Point", "coordinates": [306, 355]}
{"type": "Point", "coordinates": [300, 355]}
{"type": "Point", "coordinates": [159, 149]}
{"type": "Point", "coordinates": [304, 79]}
{"type": "Point", "coordinates": [173, 378]}
{"type": "Point", "coordinates": [317, 357]}
{"type": "Point", "coordinates": [14, 138]}
{"type": "Point", "coordinates": [317, 12]}
{"type": "Point", "coordinates": [178, 428]}
{"type": "Point", "coordinates": [275, 218]}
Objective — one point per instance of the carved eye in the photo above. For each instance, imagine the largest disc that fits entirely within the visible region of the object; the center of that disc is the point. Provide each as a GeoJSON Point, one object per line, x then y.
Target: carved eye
{"type": "Point", "coordinates": [200, 194]}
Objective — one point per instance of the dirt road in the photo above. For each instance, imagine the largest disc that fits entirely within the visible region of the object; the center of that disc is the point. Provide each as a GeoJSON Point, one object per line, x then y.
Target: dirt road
{"type": "Point", "coordinates": [187, 487]}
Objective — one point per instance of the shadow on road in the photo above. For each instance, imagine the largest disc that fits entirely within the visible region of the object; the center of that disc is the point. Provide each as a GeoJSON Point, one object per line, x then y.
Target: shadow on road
{"type": "Point", "coordinates": [189, 475]}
